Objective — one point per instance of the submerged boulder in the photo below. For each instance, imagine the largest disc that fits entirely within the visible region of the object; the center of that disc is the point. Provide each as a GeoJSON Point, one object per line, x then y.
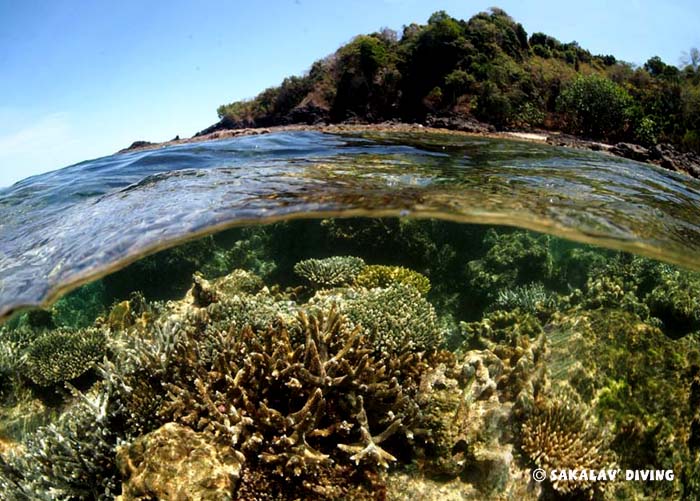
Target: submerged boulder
{"type": "Point", "coordinates": [174, 462]}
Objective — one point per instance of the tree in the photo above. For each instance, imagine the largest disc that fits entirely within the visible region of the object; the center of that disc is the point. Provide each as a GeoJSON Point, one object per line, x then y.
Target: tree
{"type": "Point", "coordinates": [657, 68]}
{"type": "Point", "coordinates": [493, 106]}
{"type": "Point", "coordinates": [691, 58]}
{"type": "Point", "coordinates": [595, 106]}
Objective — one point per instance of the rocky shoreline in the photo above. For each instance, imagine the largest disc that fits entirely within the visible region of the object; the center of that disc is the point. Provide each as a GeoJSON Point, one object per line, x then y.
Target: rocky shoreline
{"type": "Point", "coordinates": [663, 155]}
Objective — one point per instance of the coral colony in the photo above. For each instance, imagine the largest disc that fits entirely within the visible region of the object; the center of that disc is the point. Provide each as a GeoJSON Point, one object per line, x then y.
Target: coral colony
{"type": "Point", "coordinates": [455, 371]}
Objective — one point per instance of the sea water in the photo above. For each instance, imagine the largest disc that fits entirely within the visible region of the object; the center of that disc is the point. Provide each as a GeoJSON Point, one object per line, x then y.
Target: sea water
{"type": "Point", "coordinates": [384, 316]}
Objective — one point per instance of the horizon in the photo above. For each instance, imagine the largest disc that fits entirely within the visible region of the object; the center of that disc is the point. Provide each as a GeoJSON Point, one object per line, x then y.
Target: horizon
{"type": "Point", "coordinates": [77, 90]}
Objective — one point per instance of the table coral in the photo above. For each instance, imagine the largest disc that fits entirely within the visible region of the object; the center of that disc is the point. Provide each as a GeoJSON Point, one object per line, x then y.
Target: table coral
{"type": "Point", "coordinates": [330, 272]}
{"type": "Point", "coordinates": [62, 355]}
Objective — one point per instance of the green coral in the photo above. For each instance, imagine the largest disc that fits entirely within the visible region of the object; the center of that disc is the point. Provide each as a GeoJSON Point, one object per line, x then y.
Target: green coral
{"type": "Point", "coordinates": [512, 259]}
{"type": "Point", "coordinates": [640, 382]}
{"type": "Point", "coordinates": [531, 298]}
{"type": "Point", "coordinates": [574, 265]}
{"type": "Point", "coordinates": [63, 355]}
{"type": "Point", "coordinates": [500, 329]}
{"type": "Point", "coordinates": [396, 317]}
{"type": "Point", "coordinates": [377, 275]}
{"type": "Point", "coordinates": [613, 292]}
{"type": "Point", "coordinates": [80, 308]}
{"type": "Point", "coordinates": [330, 272]}
{"type": "Point", "coordinates": [676, 302]}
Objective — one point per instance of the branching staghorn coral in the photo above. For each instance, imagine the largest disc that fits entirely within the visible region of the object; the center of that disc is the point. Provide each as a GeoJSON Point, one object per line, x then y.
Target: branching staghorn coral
{"type": "Point", "coordinates": [377, 275]}
{"type": "Point", "coordinates": [12, 346]}
{"type": "Point", "coordinates": [529, 298]}
{"type": "Point", "coordinates": [330, 272]}
{"type": "Point", "coordinates": [288, 404]}
{"type": "Point", "coordinates": [557, 435]}
{"type": "Point", "coordinates": [136, 373]}
{"type": "Point", "coordinates": [70, 459]}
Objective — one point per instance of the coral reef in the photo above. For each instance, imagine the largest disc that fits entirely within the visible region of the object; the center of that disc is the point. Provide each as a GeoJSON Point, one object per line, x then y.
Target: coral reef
{"type": "Point", "coordinates": [377, 275]}
{"type": "Point", "coordinates": [561, 357]}
{"type": "Point", "coordinates": [676, 302]}
{"type": "Point", "coordinates": [559, 436]}
{"type": "Point", "coordinates": [512, 259]}
{"type": "Point", "coordinates": [397, 317]}
{"type": "Point", "coordinates": [330, 272]}
{"type": "Point", "coordinates": [290, 404]}
{"type": "Point", "coordinates": [175, 462]}
{"type": "Point", "coordinates": [62, 355]}
{"type": "Point", "coordinates": [239, 282]}
{"type": "Point", "coordinates": [574, 266]}
{"type": "Point", "coordinates": [72, 458]}
{"type": "Point", "coordinates": [13, 342]}
{"type": "Point", "coordinates": [640, 384]}
{"type": "Point", "coordinates": [532, 298]}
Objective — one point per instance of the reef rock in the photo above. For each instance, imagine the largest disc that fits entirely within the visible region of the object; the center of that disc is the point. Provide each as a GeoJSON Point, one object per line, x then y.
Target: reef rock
{"type": "Point", "coordinates": [633, 151]}
{"type": "Point", "coordinates": [176, 463]}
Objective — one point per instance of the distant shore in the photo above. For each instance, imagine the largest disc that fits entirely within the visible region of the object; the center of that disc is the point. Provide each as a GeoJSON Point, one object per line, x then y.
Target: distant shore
{"type": "Point", "coordinates": [663, 155]}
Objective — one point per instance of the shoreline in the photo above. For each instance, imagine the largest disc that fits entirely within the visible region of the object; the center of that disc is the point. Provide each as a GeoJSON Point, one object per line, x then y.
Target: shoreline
{"type": "Point", "coordinates": [662, 155]}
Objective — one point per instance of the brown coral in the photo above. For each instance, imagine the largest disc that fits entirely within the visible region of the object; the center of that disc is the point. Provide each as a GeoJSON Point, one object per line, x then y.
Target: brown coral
{"type": "Point", "coordinates": [556, 436]}
{"type": "Point", "coordinates": [286, 401]}
{"type": "Point", "coordinates": [174, 462]}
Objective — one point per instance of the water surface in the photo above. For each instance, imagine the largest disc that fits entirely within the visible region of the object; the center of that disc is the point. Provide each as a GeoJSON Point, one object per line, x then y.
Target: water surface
{"type": "Point", "coordinates": [63, 228]}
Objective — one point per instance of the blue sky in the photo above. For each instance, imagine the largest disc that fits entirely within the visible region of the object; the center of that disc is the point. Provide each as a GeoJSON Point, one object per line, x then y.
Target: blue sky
{"type": "Point", "coordinates": [82, 79]}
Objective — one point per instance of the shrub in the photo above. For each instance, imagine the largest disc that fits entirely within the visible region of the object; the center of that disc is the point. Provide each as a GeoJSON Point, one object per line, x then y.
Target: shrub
{"type": "Point", "coordinates": [646, 132]}
{"type": "Point", "coordinates": [691, 141]}
{"type": "Point", "coordinates": [595, 106]}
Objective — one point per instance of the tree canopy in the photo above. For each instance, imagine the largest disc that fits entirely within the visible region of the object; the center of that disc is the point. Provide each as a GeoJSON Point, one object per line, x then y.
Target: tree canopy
{"type": "Point", "coordinates": [489, 68]}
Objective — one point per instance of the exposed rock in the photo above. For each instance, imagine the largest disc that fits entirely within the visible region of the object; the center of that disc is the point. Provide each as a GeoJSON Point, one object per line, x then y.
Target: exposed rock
{"type": "Point", "coordinates": [311, 110]}
{"type": "Point", "coordinates": [136, 145]}
{"type": "Point", "coordinates": [459, 122]}
{"type": "Point", "coordinates": [569, 141]}
{"type": "Point", "coordinates": [176, 463]}
{"type": "Point", "coordinates": [664, 155]}
{"type": "Point", "coordinates": [226, 124]}
{"type": "Point", "coordinates": [631, 151]}
{"type": "Point", "coordinates": [669, 157]}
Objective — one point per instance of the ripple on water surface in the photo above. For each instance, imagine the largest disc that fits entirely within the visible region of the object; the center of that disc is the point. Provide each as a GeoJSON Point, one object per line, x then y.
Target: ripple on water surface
{"type": "Point", "coordinates": [63, 228]}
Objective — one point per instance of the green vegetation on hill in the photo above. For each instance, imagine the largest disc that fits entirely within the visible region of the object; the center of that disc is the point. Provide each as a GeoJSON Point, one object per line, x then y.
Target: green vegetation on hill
{"type": "Point", "coordinates": [487, 68]}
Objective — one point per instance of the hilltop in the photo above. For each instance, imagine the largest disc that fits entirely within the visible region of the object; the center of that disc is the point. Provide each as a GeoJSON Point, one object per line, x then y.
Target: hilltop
{"type": "Point", "coordinates": [486, 74]}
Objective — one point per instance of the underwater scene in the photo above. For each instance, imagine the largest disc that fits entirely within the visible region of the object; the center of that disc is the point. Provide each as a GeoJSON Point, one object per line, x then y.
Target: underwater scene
{"type": "Point", "coordinates": [223, 333]}
{"type": "Point", "coordinates": [357, 359]}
